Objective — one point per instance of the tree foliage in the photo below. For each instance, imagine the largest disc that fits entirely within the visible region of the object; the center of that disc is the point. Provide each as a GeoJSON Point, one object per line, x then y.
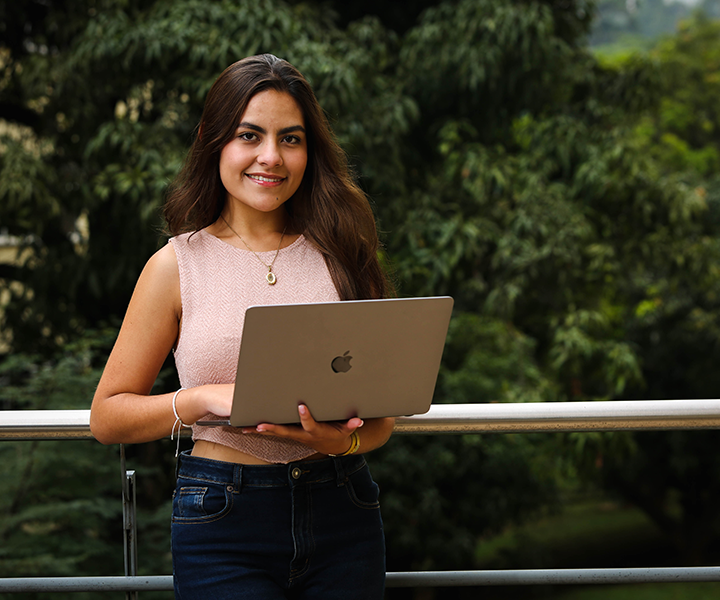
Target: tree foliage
{"type": "Point", "coordinates": [568, 203]}
{"type": "Point", "coordinates": [105, 118]}
{"type": "Point", "coordinates": [675, 325]}
{"type": "Point", "coordinates": [62, 510]}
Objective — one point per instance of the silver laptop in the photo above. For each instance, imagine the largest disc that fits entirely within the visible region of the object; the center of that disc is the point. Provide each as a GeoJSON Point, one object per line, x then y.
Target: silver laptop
{"type": "Point", "coordinates": [365, 358]}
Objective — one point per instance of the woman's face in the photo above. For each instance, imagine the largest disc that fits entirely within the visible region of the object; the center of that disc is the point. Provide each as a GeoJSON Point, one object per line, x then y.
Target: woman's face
{"type": "Point", "coordinates": [263, 165]}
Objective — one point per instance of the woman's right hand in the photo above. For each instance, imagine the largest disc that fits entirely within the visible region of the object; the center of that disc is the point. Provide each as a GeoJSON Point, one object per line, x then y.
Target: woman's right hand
{"type": "Point", "coordinates": [193, 404]}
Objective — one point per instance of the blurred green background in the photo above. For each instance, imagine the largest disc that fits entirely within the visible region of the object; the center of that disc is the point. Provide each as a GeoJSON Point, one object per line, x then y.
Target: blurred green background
{"type": "Point", "coordinates": [554, 165]}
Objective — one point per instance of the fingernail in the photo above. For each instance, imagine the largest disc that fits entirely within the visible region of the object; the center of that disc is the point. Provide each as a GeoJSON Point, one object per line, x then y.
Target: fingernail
{"type": "Point", "coordinates": [302, 409]}
{"type": "Point", "coordinates": [260, 429]}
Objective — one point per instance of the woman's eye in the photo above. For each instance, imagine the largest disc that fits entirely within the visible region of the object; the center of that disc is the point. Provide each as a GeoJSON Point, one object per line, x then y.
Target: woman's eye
{"type": "Point", "coordinates": [291, 139]}
{"type": "Point", "coordinates": [247, 136]}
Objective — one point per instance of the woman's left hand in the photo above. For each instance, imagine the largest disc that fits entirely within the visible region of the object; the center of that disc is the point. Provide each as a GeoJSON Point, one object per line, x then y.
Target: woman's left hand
{"type": "Point", "coordinates": [331, 437]}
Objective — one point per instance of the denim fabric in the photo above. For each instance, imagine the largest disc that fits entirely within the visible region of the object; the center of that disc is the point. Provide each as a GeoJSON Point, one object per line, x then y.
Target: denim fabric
{"type": "Point", "coordinates": [309, 529]}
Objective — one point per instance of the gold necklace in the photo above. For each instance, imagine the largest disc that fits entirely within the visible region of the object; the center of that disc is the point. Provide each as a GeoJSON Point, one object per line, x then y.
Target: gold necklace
{"type": "Point", "coordinates": [270, 277]}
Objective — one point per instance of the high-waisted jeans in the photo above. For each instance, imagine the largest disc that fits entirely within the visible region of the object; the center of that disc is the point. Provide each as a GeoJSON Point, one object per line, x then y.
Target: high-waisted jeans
{"type": "Point", "coordinates": [309, 529]}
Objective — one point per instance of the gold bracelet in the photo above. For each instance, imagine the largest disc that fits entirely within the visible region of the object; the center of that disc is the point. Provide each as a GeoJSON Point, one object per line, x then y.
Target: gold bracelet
{"type": "Point", "coordinates": [354, 445]}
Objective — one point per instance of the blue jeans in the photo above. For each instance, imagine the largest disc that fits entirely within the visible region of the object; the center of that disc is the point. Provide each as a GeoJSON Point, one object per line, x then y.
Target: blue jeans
{"type": "Point", "coordinates": [309, 529]}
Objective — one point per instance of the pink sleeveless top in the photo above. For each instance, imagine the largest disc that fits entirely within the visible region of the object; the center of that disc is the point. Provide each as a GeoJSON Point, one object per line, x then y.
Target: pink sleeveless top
{"type": "Point", "coordinates": [217, 283]}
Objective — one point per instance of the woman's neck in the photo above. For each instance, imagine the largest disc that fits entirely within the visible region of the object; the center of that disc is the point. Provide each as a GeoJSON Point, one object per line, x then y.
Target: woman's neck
{"type": "Point", "coordinates": [260, 232]}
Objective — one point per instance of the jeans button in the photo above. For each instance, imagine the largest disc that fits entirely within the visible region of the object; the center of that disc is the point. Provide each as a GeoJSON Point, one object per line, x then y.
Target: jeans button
{"type": "Point", "coordinates": [296, 472]}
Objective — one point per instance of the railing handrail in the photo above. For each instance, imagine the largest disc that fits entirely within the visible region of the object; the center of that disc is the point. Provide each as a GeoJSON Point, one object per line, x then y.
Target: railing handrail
{"type": "Point", "coordinates": [161, 583]}
{"type": "Point", "coordinates": [446, 418]}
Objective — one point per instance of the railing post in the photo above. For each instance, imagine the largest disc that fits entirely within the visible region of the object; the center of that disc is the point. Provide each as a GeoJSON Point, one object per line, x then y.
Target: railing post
{"type": "Point", "coordinates": [129, 522]}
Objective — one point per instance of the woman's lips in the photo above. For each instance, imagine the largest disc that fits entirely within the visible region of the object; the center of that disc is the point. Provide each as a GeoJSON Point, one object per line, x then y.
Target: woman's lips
{"type": "Point", "coordinates": [265, 180]}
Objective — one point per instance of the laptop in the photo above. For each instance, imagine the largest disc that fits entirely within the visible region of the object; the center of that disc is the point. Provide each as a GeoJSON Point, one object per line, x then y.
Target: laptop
{"type": "Point", "coordinates": [364, 358]}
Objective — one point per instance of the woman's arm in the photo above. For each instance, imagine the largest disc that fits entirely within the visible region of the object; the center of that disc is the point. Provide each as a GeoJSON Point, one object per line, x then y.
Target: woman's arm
{"type": "Point", "coordinates": [122, 409]}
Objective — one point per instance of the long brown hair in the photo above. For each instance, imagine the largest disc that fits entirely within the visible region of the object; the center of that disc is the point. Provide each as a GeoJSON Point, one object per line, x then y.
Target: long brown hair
{"type": "Point", "coordinates": [328, 208]}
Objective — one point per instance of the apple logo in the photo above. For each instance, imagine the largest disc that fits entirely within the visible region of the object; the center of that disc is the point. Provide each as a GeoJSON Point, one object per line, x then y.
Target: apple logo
{"type": "Point", "coordinates": [341, 364]}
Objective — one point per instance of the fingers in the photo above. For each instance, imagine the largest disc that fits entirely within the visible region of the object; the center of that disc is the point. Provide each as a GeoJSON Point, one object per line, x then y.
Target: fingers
{"type": "Point", "coordinates": [309, 431]}
{"type": "Point", "coordinates": [307, 421]}
{"type": "Point", "coordinates": [310, 425]}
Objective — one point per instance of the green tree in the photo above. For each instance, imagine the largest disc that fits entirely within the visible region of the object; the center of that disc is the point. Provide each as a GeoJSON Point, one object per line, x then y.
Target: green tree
{"type": "Point", "coordinates": [101, 120]}
{"type": "Point", "coordinates": [507, 169]}
{"type": "Point", "coordinates": [684, 133]}
{"type": "Point", "coordinates": [541, 205]}
{"type": "Point", "coordinates": [674, 328]}
{"type": "Point", "coordinates": [62, 508]}
{"type": "Point", "coordinates": [84, 180]}
{"type": "Point", "coordinates": [99, 105]}
{"type": "Point", "coordinates": [59, 495]}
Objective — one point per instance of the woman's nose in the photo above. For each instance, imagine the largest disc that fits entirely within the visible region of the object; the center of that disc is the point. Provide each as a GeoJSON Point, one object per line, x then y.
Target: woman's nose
{"type": "Point", "coordinates": [270, 154]}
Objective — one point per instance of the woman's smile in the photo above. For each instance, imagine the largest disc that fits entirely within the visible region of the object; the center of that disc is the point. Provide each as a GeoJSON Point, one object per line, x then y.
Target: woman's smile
{"type": "Point", "coordinates": [265, 180]}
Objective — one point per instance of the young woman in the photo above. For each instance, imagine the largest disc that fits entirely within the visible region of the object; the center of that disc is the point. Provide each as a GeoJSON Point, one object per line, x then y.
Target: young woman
{"type": "Point", "coordinates": [263, 212]}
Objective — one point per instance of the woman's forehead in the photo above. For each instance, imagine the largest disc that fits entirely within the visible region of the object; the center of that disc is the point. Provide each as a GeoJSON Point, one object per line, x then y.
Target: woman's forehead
{"type": "Point", "coordinates": [272, 106]}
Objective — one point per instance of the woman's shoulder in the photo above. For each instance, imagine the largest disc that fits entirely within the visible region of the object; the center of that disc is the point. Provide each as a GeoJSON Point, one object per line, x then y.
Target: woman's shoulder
{"type": "Point", "coordinates": [186, 237]}
{"type": "Point", "coordinates": [163, 264]}
{"type": "Point", "coordinates": [159, 282]}
{"type": "Point", "coordinates": [191, 244]}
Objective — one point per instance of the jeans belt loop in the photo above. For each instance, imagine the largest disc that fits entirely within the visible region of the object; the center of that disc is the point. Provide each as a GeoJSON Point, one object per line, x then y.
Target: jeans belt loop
{"type": "Point", "coordinates": [238, 478]}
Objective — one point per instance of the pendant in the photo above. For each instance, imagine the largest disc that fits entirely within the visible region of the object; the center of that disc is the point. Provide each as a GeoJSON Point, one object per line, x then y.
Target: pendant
{"type": "Point", "coordinates": [271, 279]}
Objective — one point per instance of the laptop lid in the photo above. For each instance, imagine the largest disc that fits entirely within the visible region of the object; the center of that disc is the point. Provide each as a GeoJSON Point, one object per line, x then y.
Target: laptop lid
{"type": "Point", "coordinates": [365, 358]}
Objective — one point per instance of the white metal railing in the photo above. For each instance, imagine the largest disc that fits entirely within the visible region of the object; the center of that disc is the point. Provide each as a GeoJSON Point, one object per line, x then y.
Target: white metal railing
{"type": "Point", "coordinates": [446, 418]}
{"type": "Point", "coordinates": [442, 418]}
{"type": "Point", "coordinates": [163, 583]}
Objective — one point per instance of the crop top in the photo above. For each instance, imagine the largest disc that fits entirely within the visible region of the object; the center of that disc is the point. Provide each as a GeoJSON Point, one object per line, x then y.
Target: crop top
{"type": "Point", "coordinates": [218, 282]}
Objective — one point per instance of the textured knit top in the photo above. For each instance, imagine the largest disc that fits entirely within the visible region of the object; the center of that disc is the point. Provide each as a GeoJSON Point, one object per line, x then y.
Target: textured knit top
{"type": "Point", "coordinates": [218, 282]}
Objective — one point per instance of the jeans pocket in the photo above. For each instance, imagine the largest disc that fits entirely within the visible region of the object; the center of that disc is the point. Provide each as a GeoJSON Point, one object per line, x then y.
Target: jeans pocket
{"type": "Point", "coordinates": [362, 490]}
{"type": "Point", "coordinates": [201, 503]}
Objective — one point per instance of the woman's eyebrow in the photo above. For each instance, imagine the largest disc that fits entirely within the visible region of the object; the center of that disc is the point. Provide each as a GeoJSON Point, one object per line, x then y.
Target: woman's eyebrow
{"type": "Point", "coordinates": [283, 131]}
